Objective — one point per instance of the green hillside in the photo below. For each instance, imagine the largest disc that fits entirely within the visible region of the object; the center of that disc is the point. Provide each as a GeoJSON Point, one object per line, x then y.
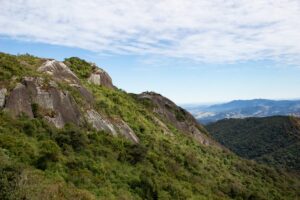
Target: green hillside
{"type": "Point", "coordinates": [40, 161]}
{"type": "Point", "coordinates": [273, 140]}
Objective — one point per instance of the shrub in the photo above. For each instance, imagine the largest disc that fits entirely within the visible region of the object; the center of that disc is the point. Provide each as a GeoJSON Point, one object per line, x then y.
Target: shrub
{"type": "Point", "coordinates": [9, 181]}
{"type": "Point", "coordinates": [10, 66]}
{"type": "Point", "coordinates": [81, 68]}
{"type": "Point", "coordinates": [49, 152]}
{"type": "Point", "coordinates": [134, 153]}
{"type": "Point", "coordinates": [146, 187]}
{"type": "Point", "coordinates": [72, 136]}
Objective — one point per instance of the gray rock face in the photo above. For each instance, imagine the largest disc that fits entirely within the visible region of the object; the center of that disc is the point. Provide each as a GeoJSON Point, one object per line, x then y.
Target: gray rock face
{"type": "Point", "coordinates": [95, 79]}
{"type": "Point", "coordinates": [87, 95]}
{"type": "Point", "coordinates": [99, 122]}
{"type": "Point", "coordinates": [3, 92]}
{"type": "Point", "coordinates": [61, 103]}
{"type": "Point", "coordinates": [65, 105]}
{"type": "Point", "coordinates": [58, 107]}
{"type": "Point", "coordinates": [115, 128]}
{"type": "Point", "coordinates": [19, 101]}
{"type": "Point", "coordinates": [39, 92]}
{"type": "Point", "coordinates": [100, 77]}
{"type": "Point", "coordinates": [59, 71]}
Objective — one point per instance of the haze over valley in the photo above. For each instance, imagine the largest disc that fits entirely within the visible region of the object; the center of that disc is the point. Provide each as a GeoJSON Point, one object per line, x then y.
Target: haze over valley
{"type": "Point", "coordinates": [244, 108]}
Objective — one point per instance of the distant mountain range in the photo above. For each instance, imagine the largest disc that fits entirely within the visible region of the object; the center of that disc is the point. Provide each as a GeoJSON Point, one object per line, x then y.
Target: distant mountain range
{"type": "Point", "coordinates": [244, 108]}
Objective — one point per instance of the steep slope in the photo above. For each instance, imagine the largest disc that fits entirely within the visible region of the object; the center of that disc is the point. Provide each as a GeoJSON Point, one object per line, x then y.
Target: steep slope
{"type": "Point", "coordinates": [169, 112]}
{"type": "Point", "coordinates": [61, 98]}
{"type": "Point", "coordinates": [273, 140]}
{"type": "Point", "coordinates": [70, 136]}
{"type": "Point", "coordinates": [245, 108]}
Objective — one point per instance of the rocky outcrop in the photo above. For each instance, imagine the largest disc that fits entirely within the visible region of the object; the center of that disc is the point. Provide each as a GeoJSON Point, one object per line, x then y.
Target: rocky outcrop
{"type": "Point", "coordinates": [100, 77]}
{"type": "Point", "coordinates": [38, 97]}
{"type": "Point", "coordinates": [3, 92]}
{"type": "Point", "coordinates": [176, 116]}
{"type": "Point", "coordinates": [115, 127]}
{"type": "Point", "coordinates": [59, 71]}
{"type": "Point", "coordinates": [57, 106]}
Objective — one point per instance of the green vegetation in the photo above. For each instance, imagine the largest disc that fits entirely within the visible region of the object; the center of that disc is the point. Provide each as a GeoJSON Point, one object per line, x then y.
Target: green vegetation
{"type": "Point", "coordinates": [38, 161]}
{"type": "Point", "coordinates": [13, 68]}
{"type": "Point", "coordinates": [81, 68]}
{"type": "Point", "coordinates": [273, 140]}
{"type": "Point", "coordinates": [97, 164]}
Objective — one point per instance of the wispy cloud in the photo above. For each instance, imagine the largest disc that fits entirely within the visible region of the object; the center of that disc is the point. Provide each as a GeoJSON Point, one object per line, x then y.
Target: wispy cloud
{"type": "Point", "coordinates": [209, 31]}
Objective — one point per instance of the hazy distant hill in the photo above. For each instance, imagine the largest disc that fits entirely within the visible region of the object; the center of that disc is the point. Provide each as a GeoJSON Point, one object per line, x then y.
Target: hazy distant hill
{"type": "Point", "coordinates": [245, 108]}
{"type": "Point", "coordinates": [273, 140]}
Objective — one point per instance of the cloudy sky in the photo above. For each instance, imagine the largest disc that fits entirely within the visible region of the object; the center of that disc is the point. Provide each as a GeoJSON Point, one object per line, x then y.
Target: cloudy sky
{"type": "Point", "coordinates": [189, 50]}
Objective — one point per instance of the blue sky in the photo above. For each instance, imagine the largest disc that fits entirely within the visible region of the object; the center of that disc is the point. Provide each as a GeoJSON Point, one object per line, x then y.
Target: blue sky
{"type": "Point", "coordinates": [190, 51]}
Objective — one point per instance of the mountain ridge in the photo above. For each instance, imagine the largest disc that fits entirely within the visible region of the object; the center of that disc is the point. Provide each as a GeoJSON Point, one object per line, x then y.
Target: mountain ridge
{"type": "Point", "coordinates": [245, 108]}
{"type": "Point", "coordinates": [83, 138]}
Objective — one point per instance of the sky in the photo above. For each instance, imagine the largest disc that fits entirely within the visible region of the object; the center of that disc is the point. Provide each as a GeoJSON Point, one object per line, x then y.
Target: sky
{"type": "Point", "coordinates": [191, 51]}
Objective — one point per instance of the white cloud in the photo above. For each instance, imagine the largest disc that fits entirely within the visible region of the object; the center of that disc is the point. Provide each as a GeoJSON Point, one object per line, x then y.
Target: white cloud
{"type": "Point", "coordinates": [203, 30]}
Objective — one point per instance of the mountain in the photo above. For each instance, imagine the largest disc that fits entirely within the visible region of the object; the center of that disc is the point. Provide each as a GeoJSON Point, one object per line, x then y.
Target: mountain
{"type": "Point", "coordinates": [245, 108]}
{"type": "Point", "coordinates": [272, 140]}
{"type": "Point", "coordinates": [66, 132]}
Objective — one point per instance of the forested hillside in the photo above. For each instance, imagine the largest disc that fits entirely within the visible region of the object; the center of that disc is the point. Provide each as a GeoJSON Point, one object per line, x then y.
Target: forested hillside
{"type": "Point", "coordinates": [273, 140]}
{"type": "Point", "coordinates": [67, 133]}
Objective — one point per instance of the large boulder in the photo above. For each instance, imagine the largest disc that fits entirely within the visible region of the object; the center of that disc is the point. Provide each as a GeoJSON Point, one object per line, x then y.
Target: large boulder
{"type": "Point", "coordinates": [100, 77]}
{"type": "Point", "coordinates": [56, 106]}
{"type": "Point", "coordinates": [19, 101]}
{"type": "Point", "coordinates": [59, 71]}
{"type": "Point", "coordinates": [59, 106]}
